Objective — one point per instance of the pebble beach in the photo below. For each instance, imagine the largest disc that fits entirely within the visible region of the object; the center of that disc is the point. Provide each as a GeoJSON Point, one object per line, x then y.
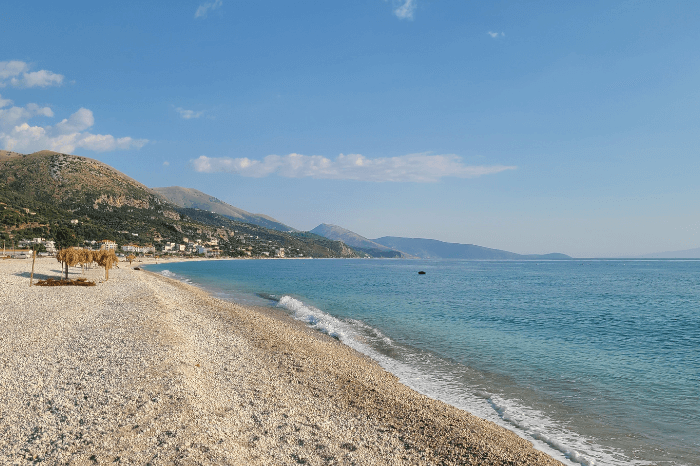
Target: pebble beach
{"type": "Point", "coordinates": [143, 369]}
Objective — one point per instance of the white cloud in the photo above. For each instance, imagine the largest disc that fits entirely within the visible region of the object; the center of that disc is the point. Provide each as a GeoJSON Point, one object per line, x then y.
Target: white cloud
{"type": "Point", "coordinates": [404, 9]}
{"type": "Point", "coordinates": [12, 116]}
{"type": "Point", "coordinates": [188, 114]}
{"type": "Point", "coordinates": [79, 121]}
{"type": "Point", "coordinates": [17, 73]}
{"type": "Point", "coordinates": [9, 69]}
{"type": "Point", "coordinates": [496, 34]}
{"type": "Point", "coordinates": [420, 168]}
{"type": "Point", "coordinates": [204, 8]}
{"type": "Point", "coordinates": [18, 135]}
{"type": "Point", "coordinates": [166, 164]}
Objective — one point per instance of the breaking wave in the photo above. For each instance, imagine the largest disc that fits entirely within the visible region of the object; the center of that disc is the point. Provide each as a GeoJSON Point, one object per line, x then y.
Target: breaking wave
{"type": "Point", "coordinates": [436, 377]}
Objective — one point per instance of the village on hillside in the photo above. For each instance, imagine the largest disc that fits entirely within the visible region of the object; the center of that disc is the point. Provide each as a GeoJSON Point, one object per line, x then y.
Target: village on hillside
{"type": "Point", "coordinates": [193, 248]}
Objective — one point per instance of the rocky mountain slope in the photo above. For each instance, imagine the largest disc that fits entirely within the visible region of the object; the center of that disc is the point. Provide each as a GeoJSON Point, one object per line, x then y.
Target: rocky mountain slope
{"type": "Point", "coordinates": [192, 198]}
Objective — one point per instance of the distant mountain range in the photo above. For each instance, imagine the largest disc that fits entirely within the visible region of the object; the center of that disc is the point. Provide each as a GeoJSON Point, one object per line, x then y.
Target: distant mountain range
{"type": "Point", "coordinates": [50, 194]}
{"type": "Point", "coordinates": [434, 249]}
{"type": "Point", "coordinates": [194, 199]}
{"type": "Point", "coordinates": [419, 247]}
{"type": "Point", "coordinates": [683, 254]}
{"type": "Point", "coordinates": [359, 243]}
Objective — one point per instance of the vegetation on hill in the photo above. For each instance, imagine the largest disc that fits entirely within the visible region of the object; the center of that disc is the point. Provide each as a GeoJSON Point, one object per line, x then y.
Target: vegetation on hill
{"type": "Point", "coordinates": [71, 199]}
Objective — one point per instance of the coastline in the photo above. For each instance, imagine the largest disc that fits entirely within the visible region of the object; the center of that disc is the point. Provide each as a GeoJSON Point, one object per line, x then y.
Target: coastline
{"type": "Point", "coordinates": [144, 368]}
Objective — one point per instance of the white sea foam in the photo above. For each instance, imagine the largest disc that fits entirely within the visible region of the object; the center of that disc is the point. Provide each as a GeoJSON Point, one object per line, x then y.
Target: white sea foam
{"type": "Point", "coordinates": [318, 319]}
{"type": "Point", "coordinates": [427, 374]}
{"type": "Point", "coordinates": [169, 274]}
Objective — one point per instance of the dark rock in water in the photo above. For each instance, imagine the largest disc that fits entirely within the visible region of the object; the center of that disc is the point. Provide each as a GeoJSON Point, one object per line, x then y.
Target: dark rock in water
{"type": "Point", "coordinates": [421, 273]}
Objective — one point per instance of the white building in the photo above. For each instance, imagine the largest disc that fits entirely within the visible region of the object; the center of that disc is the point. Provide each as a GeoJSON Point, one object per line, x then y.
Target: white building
{"type": "Point", "coordinates": [30, 243]}
{"type": "Point", "coordinates": [22, 253]}
{"type": "Point", "coordinates": [108, 244]}
{"type": "Point", "coordinates": [138, 249]}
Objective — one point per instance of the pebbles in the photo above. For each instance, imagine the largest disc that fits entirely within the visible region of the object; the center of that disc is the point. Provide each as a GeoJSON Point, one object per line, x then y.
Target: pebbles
{"type": "Point", "coordinates": [143, 369]}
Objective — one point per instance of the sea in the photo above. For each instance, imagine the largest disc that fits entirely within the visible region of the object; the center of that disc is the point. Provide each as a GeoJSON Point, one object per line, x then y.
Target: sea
{"type": "Point", "coordinates": [597, 362]}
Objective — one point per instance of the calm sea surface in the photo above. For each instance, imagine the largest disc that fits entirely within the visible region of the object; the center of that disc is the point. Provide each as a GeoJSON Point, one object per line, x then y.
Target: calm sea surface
{"type": "Point", "coordinates": [596, 362]}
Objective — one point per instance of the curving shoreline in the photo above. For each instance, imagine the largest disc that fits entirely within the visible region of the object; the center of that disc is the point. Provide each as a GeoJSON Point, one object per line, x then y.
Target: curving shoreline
{"type": "Point", "coordinates": [147, 369]}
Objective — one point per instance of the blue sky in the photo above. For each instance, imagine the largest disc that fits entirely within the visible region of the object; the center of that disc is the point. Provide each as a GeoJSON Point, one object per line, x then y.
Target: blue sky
{"type": "Point", "coordinates": [527, 126]}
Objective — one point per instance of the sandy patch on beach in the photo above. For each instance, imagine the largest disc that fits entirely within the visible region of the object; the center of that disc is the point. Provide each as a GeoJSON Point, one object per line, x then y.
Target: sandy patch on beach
{"type": "Point", "coordinates": [143, 369]}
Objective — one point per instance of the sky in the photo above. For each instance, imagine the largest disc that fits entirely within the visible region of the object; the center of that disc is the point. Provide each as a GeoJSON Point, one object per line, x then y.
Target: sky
{"type": "Point", "coordinates": [533, 127]}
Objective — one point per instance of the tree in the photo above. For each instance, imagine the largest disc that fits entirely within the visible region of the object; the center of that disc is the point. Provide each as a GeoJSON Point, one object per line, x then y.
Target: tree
{"type": "Point", "coordinates": [64, 237]}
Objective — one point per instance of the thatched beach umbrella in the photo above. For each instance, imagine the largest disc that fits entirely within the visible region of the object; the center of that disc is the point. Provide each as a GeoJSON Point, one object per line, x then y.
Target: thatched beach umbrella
{"type": "Point", "coordinates": [106, 259]}
{"type": "Point", "coordinates": [69, 257]}
{"type": "Point", "coordinates": [87, 257]}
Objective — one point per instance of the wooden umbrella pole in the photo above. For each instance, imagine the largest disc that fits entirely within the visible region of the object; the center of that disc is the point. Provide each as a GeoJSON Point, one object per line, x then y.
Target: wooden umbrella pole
{"type": "Point", "coordinates": [31, 277]}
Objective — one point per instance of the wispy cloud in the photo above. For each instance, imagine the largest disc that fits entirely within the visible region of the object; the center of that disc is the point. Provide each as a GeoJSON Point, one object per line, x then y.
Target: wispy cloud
{"type": "Point", "coordinates": [18, 135]}
{"type": "Point", "coordinates": [188, 114]}
{"type": "Point", "coordinates": [419, 168]}
{"type": "Point", "coordinates": [404, 9]}
{"type": "Point", "coordinates": [496, 35]}
{"type": "Point", "coordinates": [204, 9]}
{"type": "Point", "coordinates": [17, 74]}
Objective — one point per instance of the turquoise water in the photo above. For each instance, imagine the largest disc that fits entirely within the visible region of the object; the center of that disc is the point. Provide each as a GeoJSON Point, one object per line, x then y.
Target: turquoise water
{"type": "Point", "coordinates": [596, 362]}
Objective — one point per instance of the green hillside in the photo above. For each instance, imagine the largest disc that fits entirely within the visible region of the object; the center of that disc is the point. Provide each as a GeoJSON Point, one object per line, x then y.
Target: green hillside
{"type": "Point", "coordinates": [73, 199]}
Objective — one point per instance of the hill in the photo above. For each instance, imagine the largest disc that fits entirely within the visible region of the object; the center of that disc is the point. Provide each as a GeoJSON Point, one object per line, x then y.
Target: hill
{"type": "Point", "coordinates": [393, 246]}
{"type": "Point", "coordinates": [358, 242]}
{"type": "Point", "coordinates": [194, 199]}
{"type": "Point", "coordinates": [73, 199]}
{"type": "Point", "coordinates": [434, 249]}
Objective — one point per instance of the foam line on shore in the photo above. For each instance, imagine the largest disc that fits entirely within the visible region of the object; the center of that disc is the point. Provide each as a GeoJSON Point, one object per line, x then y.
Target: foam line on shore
{"type": "Point", "coordinates": [415, 372]}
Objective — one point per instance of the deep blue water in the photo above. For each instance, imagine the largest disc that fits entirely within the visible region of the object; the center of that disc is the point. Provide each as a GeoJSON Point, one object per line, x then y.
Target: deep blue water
{"type": "Point", "coordinates": [596, 362]}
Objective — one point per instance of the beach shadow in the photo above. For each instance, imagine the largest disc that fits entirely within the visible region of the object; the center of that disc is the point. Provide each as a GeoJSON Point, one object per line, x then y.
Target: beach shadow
{"type": "Point", "coordinates": [38, 276]}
